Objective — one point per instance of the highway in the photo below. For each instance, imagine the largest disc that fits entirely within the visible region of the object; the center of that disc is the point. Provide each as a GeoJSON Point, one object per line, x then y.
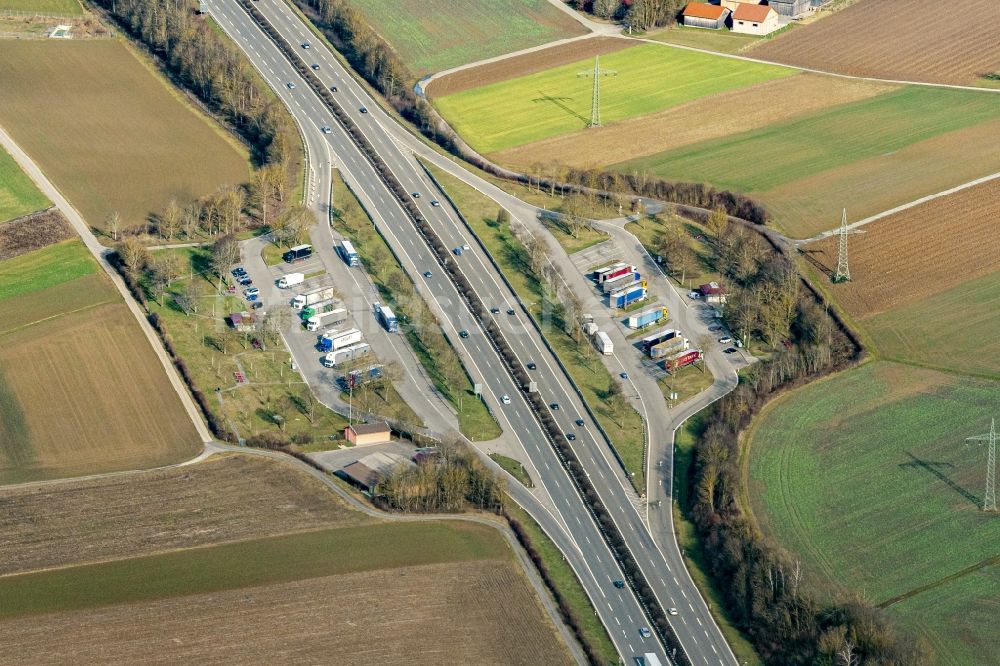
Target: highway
{"type": "Point", "coordinates": [567, 521]}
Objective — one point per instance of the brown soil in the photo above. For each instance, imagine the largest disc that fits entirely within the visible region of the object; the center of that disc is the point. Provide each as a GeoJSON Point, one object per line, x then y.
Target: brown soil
{"type": "Point", "coordinates": [919, 252]}
{"type": "Point", "coordinates": [459, 613]}
{"type": "Point", "coordinates": [233, 498]}
{"type": "Point", "coordinates": [32, 232]}
{"type": "Point", "coordinates": [528, 63]}
{"type": "Point", "coordinates": [915, 40]}
{"type": "Point", "coordinates": [707, 118]}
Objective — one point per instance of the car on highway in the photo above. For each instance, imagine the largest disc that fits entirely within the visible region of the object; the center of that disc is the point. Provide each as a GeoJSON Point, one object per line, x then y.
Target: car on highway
{"type": "Point", "coordinates": [672, 611]}
{"type": "Point", "coordinates": [458, 251]}
{"type": "Point", "coordinates": [554, 406]}
{"type": "Point", "coordinates": [333, 88]}
{"type": "Point", "coordinates": [579, 422]}
{"type": "Point", "coordinates": [725, 340]}
{"type": "Point", "coordinates": [435, 202]}
{"type": "Point", "coordinates": [326, 129]}
{"type": "Point", "coordinates": [730, 350]}
{"type": "Point", "coordinates": [466, 247]}
{"type": "Point", "coordinates": [620, 584]}
{"type": "Point", "coordinates": [644, 632]}
{"type": "Point", "coordinates": [252, 291]}
{"type": "Point", "coordinates": [570, 436]}
{"type": "Point", "coordinates": [305, 45]}
{"type": "Point", "coordinates": [416, 195]}
{"type": "Point", "coordinates": [463, 334]}
{"type": "Point", "coordinates": [428, 274]}
{"type": "Point", "coordinates": [363, 110]}
{"type": "Point", "coordinates": [532, 366]}
{"type": "Point", "coordinates": [505, 399]}
{"type": "Point", "coordinates": [510, 311]}
{"type": "Point", "coordinates": [623, 375]}
{"type": "Point", "coordinates": [315, 66]}
{"type": "Point", "coordinates": [291, 86]}
{"type": "Point", "coordinates": [495, 310]}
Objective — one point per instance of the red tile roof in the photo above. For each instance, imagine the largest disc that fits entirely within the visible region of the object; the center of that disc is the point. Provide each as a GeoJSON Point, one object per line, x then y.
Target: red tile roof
{"type": "Point", "coordinates": [753, 13]}
{"type": "Point", "coordinates": [701, 10]}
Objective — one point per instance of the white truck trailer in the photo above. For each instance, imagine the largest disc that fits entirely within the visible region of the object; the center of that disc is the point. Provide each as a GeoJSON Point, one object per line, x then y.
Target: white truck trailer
{"type": "Point", "coordinates": [603, 343]}
{"type": "Point", "coordinates": [331, 318]}
{"type": "Point", "coordinates": [291, 280]}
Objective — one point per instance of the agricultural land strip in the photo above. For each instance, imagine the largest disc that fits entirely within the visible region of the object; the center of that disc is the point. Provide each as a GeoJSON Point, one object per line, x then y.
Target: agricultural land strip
{"type": "Point", "coordinates": [959, 48]}
{"type": "Point", "coordinates": [44, 7]}
{"type": "Point", "coordinates": [18, 195]}
{"type": "Point", "coordinates": [884, 478]}
{"type": "Point", "coordinates": [32, 232]}
{"type": "Point", "coordinates": [224, 499]}
{"type": "Point", "coordinates": [707, 118]}
{"type": "Point", "coordinates": [41, 269]}
{"type": "Point", "coordinates": [431, 35]}
{"type": "Point", "coordinates": [649, 78]}
{"type": "Point", "coordinates": [109, 131]}
{"type": "Point", "coordinates": [525, 64]}
{"type": "Point", "coordinates": [805, 170]}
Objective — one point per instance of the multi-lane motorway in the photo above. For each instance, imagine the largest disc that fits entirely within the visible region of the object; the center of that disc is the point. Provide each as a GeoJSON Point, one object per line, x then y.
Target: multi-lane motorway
{"type": "Point", "coordinates": [563, 514]}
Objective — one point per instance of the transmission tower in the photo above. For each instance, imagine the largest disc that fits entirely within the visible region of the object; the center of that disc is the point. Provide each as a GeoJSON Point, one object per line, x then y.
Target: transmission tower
{"type": "Point", "coordinates": [990, 499]}
{"type": "Point", "coordinates": [595, 103]}
{"type": "Point", "coordinates": [843, 273]}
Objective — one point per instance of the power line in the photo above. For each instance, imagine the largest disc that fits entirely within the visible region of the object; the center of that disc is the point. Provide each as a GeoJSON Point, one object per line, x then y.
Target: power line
{"type": "Point", "coordinates": [595, 102]}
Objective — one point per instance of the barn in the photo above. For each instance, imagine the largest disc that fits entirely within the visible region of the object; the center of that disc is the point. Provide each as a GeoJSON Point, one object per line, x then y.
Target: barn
{"type": "Point", "coordinates": [791, 8]}
{"type": "Point", "coordinates": [754, 19]}
{"type": "Point", "coordinates": [701, 15]}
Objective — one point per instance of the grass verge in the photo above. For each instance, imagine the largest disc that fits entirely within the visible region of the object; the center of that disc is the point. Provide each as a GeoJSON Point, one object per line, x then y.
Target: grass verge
{"type": "Point", "coordinates": [514, 468]}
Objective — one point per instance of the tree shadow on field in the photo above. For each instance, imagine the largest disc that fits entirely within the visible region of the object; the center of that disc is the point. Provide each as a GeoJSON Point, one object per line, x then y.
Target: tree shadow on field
{"type": "Point", "coordinates": [559, 102]}
{"type": "Point", "coordinates": [932, 467]}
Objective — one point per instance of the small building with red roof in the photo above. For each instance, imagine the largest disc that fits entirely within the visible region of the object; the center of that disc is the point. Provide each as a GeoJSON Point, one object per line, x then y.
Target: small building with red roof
{"type": "Point", "coordinates": [702, 15]}
{"type": "Point", "coordinates": [753, 19]}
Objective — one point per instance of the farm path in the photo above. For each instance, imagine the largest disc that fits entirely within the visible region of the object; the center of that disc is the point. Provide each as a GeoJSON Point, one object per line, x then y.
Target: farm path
{"type": "Point", "coordinates": [899, 209]}
{"type": "Point", "coordinates": [100, 253]}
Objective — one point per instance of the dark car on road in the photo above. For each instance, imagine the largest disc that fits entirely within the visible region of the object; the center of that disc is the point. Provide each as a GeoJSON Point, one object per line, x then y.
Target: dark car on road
{"type": "Point", "coordinates": [532, 366]}
{"type": "Point", "coordinates": [620, 584]}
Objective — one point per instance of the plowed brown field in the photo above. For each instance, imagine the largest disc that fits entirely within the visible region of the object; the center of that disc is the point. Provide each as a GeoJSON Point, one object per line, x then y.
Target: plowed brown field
{"type": "Point", "coordinates": [919, 252]}
{"type": "Point", "coordinates": [913, 40]}
{"type": "Point", "coordinates": [522, 65]}
{"type": "Point", "coordinates": [480, 612]}
{"type": "Point", "coordinates": [235, 497]}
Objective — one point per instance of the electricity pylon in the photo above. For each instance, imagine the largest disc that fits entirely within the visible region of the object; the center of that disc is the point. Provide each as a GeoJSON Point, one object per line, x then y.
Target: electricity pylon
{"type": "Point", "coordinates": [990, 499]}
{"type": "Point", "coordinates": [843, 273]}
{"type": "Point", "coordinates": [595, 103]}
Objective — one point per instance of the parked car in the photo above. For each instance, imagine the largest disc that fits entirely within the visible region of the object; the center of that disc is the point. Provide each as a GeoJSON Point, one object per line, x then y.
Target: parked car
{"type": "Point", "coordinates": [725, 340]}
{"type": "Point", "coordinates": [730, 350]}
{"type": "Point", "coordinates": [239, 270]}
{"type": "Point", "coordinates": [694, 295]}
{"type": "Point", "coordinates": [505, 399]}
{"type": "Point", "coordinates": [252, 291]}
{"type": "Point", "coordinates": [256, 305]}
{"type": "Point", "coordinates": [246, 281]}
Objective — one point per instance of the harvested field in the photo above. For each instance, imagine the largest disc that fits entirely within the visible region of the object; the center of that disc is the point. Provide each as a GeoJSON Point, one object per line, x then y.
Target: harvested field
{"type": "Point", "coordinates": [480, 612]}
{"type": "Point", "coordinates": [83, 394]}
{"type": "Point", "coordinates": [557, 101]}
{"type": "Point", "coordinates": [18, 195]}
{"type": "Point", "coordinates": [225, 499]}
{"type": "Point", "coordinates": [718, 116]}
{"type": "Point", "coordinates": [33, 232]}
{"type": "Point", "coordinates": [522, 65]}
{"type": "Point", "coordinates": [918, 252]}
{"type": "Point", "coordinates": [108, 131]}
{"type": "Point", "coordinates": [431, 35]}
{"type": "Point", "coordinates": [893, 40]}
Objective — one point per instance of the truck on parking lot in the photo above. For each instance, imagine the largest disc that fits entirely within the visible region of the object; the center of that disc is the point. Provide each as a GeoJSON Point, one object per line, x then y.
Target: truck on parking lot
{"type": "Point", "coordinates": [620, 282]}
{"type": "Point", "coordinates": [297, 253]}
{"type": "Point", "coordinates": [349, 353]}
{"type": "Point", "coordinates": [335, 340]}
{"type": "Point", "coordinates": [647, 318]}
{"type": "Point", "coordinates": [387, 318]}
{"type": "Point", "coordinates": [613, 271]}
{"type": "Point", "coordinates": [658, 337]}
{"type": "Point", "coordinates": [682, 359]}
{"type": "Point", "coordinates": [331, 318]}
{"type": "Point", "coordinates": [626, 297]}
{"type": "Point", "coordinates": [603, 343]}
{"type": "Point", "coordinates": [311, 296]}
{"type": "Point", "coordinates": [669, 347]}
{"type": "Point", "coordinates": [290, 280]}
{"type": "Point", "coordinates": [319, 308]}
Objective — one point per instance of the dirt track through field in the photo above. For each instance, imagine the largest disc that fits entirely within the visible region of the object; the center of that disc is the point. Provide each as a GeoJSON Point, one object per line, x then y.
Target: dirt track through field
{"type": "Point", "coordinates": [522, 65]}
{"type": "Point", "coordinates": [235, 497]}
{"type": "Point", "coordinates": [912, 40]}
{"type": "Point", "coordinates": [480, 612]}
{"type": "Point", "coordinates": [712, 117]}
{"type": "Point", "coordinates": [921, 251]}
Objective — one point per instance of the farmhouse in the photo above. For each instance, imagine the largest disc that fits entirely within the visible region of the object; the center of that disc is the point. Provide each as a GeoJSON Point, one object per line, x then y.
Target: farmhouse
{"type": "Point", "coordinates": [752, 19]}
{"type": "Point", "coordinates": [362, 434]}
{"type": "Point", "coordinates": [242, 321]}
{"type": "Point", "coordinates": [713, 292]}
{"type": "Point", "coordinates": [701, 15]}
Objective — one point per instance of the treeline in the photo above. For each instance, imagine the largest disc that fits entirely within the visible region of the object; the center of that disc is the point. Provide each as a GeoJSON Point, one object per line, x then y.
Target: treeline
{"type": "Point", "coordinates": [764, 588]}
{"type": "Point", "coordinates": [454, 480]}
{"type": "Point", "coordinates": [370, 56]}
{"type": "Point", "coordinates": [640, 14]}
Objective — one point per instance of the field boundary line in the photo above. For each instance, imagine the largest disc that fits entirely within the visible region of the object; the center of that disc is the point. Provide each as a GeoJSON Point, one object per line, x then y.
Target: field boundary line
{"type": "Point", "coordinates": [55, 316]}
{"type": "Point", "coordinates": [939, 582]}
{"type": "Point", "coordinates": [100, 253]}
{"type": "Point", "coordinates": [902, 207]}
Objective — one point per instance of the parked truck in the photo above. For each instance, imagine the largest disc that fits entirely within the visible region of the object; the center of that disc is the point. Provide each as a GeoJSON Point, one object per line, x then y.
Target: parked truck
{"type": "Point", "coordinates": [647, 318]}
{"type": "Point", "coordinates": [360, 377]}
{"type": "Point", "coordinates": [387, 318]}
{"type": "Point", "coordinates": [311, 296]}
{"type": "Point", "coordinates": [334, 340]}
{"type": "Point", "coordinates": [620, 282]}
{"type": "Point", "coordinates": [348, 253]}
{"type": "Point", "coordinates": [603, 343]}
{"type": "Point", "coordinates": [589, 328]}
{"type": "Point", "coordinates": [626, 297]}
{"type": "Point", "coordinates": [318, 308]}
{"type": "Point", "coordinates": [682, 359]}
{"type": "Point", "coordinates": [668, 348]}
{"type": "Point", "coordinates": [331, 318]}
{"type": "Point", "coordinates": [599, 274]}
{"type": "Point", "coordinates": [291, 280]}
{"type": "Point", "coordinates": [658, 337]}
{"type": "Point", "coordinates": [350, 353]}
{"type": "Point", "coordinates": [615, 271]}
{"type": "Point", "coordinates": [297, 253]}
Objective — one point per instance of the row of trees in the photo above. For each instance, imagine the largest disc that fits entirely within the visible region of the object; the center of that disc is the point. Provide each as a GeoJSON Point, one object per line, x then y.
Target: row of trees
{"type": "Point", "coordinates": [640, 14]}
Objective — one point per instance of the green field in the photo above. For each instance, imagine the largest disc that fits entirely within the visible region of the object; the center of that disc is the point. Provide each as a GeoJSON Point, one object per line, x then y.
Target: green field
{"type": "Point", "coordinates": [108, 131]}
{"type": "Point", "coordinates": [248, 563]}
{"type": "Point", "coordinates": [18, 195]}
{"type": "Point", "coordinates": [722, 41]}
{"type": "Point", "coordinates": [953, 330]}
{"type": "Point", "coordinates": [55, 7]}
{"type": "Point", "coordinates": [868, 470]}
{"type": "Point", "coordinates": [649, 78]}
{"type": "Point", "coordinates": [823, 141]}
{"type": "Point", "coordinates": [48, 267]}
{"type": "Point", "coordinates": [432, 35]}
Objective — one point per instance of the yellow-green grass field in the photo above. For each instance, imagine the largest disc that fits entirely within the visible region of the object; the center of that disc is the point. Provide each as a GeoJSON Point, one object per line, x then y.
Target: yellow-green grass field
{"type": "Point", "coordinates": [433, 35]}
{"type": "Point", "coordinates": [868, 155]}
{"type": "Point", "coordinates": [721, 41]}
{"type": "Point", "coordinates": [81, 390]}
{"type": "Point", "coordinates": [649, 78]}
{"type": "Point", "coordinates": [109, 131]}
{"type": "Point", "coordinates": [55, 7]}
{"type": "Point", "coordinates": [18, 195]}
{"type": "Point", "coordinates": [867, 478]}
